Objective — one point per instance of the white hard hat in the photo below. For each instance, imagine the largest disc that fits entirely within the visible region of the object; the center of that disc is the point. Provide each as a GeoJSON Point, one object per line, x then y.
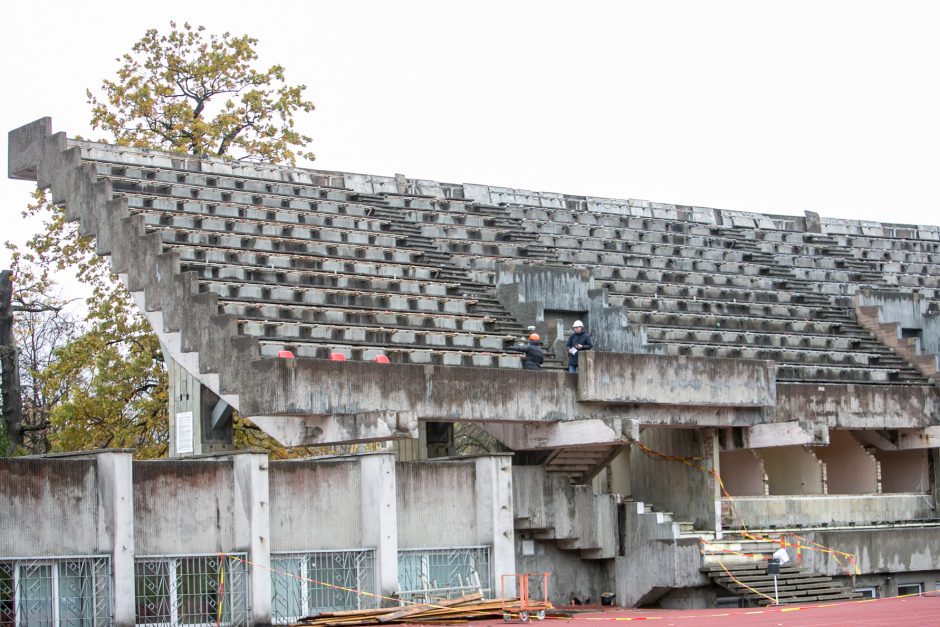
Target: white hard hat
{"type": "Point", "coordinates": [578, 323]}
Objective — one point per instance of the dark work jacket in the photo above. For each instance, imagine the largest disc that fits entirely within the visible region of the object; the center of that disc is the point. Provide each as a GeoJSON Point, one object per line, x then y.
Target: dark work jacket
{"type": "Point", "coordinates": [578, 338]}
{"type": "Point", "coordinates": [533, 355]}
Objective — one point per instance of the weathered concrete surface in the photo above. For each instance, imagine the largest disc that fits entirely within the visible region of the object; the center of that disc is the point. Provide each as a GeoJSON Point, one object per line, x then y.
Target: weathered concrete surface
{"type": "Point", "coordinates": [437, 393]}
{"type": "Point", "coordinates": [890, 550]}
{"type": "Point", "coordinates": [859, 406]}
{"type": "Point", "coordinates": [315, 505]}
{"type": "Point", "coordinates": [571, 577]}
{"type": "Point", "coordinates": [909, 311]}
{"type": "Point", "coordinates": [437, 504]}
{"type": "Point", "coordinates": [655, 568]}
{"type": "Point", "coordinates": [847, 509]}
{"type": "Point", "coordinates": [803, 432]}
{"type": "Point", "coordinates": [37, 495]}
{"type": "Point", "coordinates": [675, 380]}
{"type": "Point", "coordinates": [184, 507]}
{"type": "Point", "coordinates": [690, 493]}
{"type": "Point", "coordinates": [793, 470]}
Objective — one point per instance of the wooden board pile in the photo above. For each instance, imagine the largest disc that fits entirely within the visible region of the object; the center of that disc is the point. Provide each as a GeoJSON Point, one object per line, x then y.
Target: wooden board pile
{"type": "Point", "coordinates": [447, 611]}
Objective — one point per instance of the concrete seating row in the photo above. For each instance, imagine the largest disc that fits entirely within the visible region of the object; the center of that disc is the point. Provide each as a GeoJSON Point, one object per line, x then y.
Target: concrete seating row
{"type": "Point", "coordinates": [810, 344]}
{"type": "Point", "coordinates": [316, 215]}
{"type": "Point", "coordinates": [329, 272]}
{"type": "Point", "coordinates": [374, 299]}
{"type": "Point", "coordinates": [246, 248]}
{"type": "Point", "coordinates": [395, 355]}
{"type": "Point", "coordinates": [384, 318]}
{"type": "Point", "coordinates": [371, 335]}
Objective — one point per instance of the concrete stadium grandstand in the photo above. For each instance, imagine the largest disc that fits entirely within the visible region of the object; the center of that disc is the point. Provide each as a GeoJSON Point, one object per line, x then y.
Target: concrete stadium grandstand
{"type": "Point", "coordinates": [756, 383]}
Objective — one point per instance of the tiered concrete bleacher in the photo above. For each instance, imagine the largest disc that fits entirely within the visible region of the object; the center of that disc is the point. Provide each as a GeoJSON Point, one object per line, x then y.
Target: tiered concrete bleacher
{"type": "Point", "coordinates": [325, 264]}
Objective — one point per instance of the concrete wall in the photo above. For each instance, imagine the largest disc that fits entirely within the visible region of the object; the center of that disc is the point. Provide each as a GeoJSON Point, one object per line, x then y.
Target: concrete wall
{"type": "Point", "coordinates": [690, 493]}
{"type": "Point", "coordinates": [850, 469]}
{"type": "Point", "coordinates": [804, 511]}
{"type": "Point", "coordinates": [316, 505]}
{"type": "Point", "coordinates": [36, 496]}
{"type": "Point", "coordinates": [657, 568]}
{"type": "Point", "coordinates": [904, 471]}
{"type": "Point", "coordinates": [858, 406]}
{"type": "Point", "coordinates": [909, 310]}
{"type": "Point", "coordinates": [742, 473]}
{"type": "Point", "coordinates": [879, 550]}
{"type": "Point", "coordinates": [793, 470]}
{"type": "Point", "coordinates": [570, 575]}
{"type": "Point", "coordinates": [675, 380]}
{"type": "Point", "coordinates": [184, 507]}
{"type": "Point", "coordinates": [436, 504]}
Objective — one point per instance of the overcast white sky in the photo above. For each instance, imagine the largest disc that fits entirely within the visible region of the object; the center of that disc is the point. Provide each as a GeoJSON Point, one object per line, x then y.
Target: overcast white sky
{"type": "Point", "coordinates": [782, 107]}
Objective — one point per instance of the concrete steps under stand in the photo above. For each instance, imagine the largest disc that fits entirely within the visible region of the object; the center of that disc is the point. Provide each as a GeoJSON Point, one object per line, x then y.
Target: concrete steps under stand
{"type": "Point", "coordinates": [794, 584]}
{"type": "Point", "coordinates": [740, 566]}
{"type": "Point", "coordinates": [549, 508]}
{"type": "Point", "coordinates": [907, 349]}
{"type": "Point", "coordinates": [580, 463]}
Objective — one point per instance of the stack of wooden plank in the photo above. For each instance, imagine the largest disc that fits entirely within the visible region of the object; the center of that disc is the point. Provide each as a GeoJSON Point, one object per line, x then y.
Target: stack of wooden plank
{"type": "Point", "coordinates": [446, 611]}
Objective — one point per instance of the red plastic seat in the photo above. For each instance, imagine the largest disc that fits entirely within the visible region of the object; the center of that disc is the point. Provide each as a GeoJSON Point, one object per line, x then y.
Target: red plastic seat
{"type": "Point", "coordinates": [285, 354]}
{"type": "Point", "coordinates": [337, 357]}
{"type": "Point", "coordinates": [381, 359]}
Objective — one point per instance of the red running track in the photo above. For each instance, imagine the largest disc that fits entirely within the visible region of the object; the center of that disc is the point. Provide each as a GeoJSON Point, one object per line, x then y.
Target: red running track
{"type": "Point", "coordinates": [907, 611]}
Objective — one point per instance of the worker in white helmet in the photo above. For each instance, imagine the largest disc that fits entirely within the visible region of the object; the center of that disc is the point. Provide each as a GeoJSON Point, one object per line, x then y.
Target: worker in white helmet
{"type": "Point", "coordinates": [579, 341]}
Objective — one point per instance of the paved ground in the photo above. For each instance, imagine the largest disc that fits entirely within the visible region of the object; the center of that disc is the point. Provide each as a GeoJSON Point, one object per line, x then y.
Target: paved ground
{"type": "Point", "coordinates": [911, 611]}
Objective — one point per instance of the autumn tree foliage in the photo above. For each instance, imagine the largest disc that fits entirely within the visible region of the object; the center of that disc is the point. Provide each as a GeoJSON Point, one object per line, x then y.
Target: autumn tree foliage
{"type": "Point", "coordinates": [104, 384]}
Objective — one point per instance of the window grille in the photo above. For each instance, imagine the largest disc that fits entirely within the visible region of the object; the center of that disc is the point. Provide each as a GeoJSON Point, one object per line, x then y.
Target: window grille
{"type": "Point", "coordinates": [191, 590]}
{"type": "Point", "coordinates": [55, 592]}
{"type": "Point", "coordinates": [424, 574]}
{"type": "Point", "coordinates": [297, 583]}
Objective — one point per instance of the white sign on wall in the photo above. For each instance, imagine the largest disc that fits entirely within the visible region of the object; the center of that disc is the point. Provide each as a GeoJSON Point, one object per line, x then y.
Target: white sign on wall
{"type": "Point", "coordinates": [184, 432]}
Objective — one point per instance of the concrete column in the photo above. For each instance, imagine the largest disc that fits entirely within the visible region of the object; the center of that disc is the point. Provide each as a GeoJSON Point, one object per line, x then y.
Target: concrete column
{"type": "Point", "coordinates": [495, 516]}
{"type": "Point", "coordinates": [712, 454]}
{"type": "Point", "coordinates": [620, 473]}
{"type": "Point", "coordinates": [189, 399]}
{"type": "Point", "coordinates": [935, 475]}
{"type": "Point", "coordinates": [253, 528]}
{"type": "Point", "coordinates": [116, 528]}
{"type": "Point", "coordinates": [380, 519]}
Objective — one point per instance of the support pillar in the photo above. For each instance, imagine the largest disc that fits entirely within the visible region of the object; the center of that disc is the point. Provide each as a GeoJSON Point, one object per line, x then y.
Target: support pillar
{"type": "Point", "coordinates": [115, 488]}
{"type": "Point", "coordinates": [200, 422]}
{"type": "Point", "coordinates": [495, 523]}
{"type": "Point", "coordinates": [380, 519]}
{"type": "Point", "coordinates": [253, 528]}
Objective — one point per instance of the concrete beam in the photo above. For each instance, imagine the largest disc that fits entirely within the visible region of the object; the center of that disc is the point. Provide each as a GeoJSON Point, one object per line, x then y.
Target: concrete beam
{"type": "Point", "coordinates": [859, 406]}
{"type": "Point", "coordinates": [675, 380]}
{"type": "Point", "coordinates": [928, 437]}
{"type": "Point", "coordinates": [371, 426]}
{"type": "Point", "coordinates": [878, 439]}
{"type": "Point", "coordinates": [434, 393]}
{"type": "Point", "coordinates": [525, 437]}
{"type": "Point", "coordinates": [803, 432]}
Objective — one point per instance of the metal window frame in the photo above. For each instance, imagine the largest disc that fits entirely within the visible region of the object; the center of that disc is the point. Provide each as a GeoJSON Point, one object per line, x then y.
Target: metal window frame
{"type": "Point", "coordinates": [304, 558]}
{"type": "Point", "coordinates": [173, 562]}
{"type": "Point", "coordinates": [484, 574]}
{"type": "Point", "coordinates": [101, 588]}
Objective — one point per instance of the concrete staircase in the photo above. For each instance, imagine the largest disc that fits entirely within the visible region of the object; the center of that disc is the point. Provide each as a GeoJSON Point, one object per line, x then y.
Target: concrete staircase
{"type": "Point", "coordinates": [740, 566]}
{"type": "Point", "coordinates": [548, 507]}
{"type": "Point", "coordinates": [908, 349]}
{"type": "Point", "coordinates": [581, 463]}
